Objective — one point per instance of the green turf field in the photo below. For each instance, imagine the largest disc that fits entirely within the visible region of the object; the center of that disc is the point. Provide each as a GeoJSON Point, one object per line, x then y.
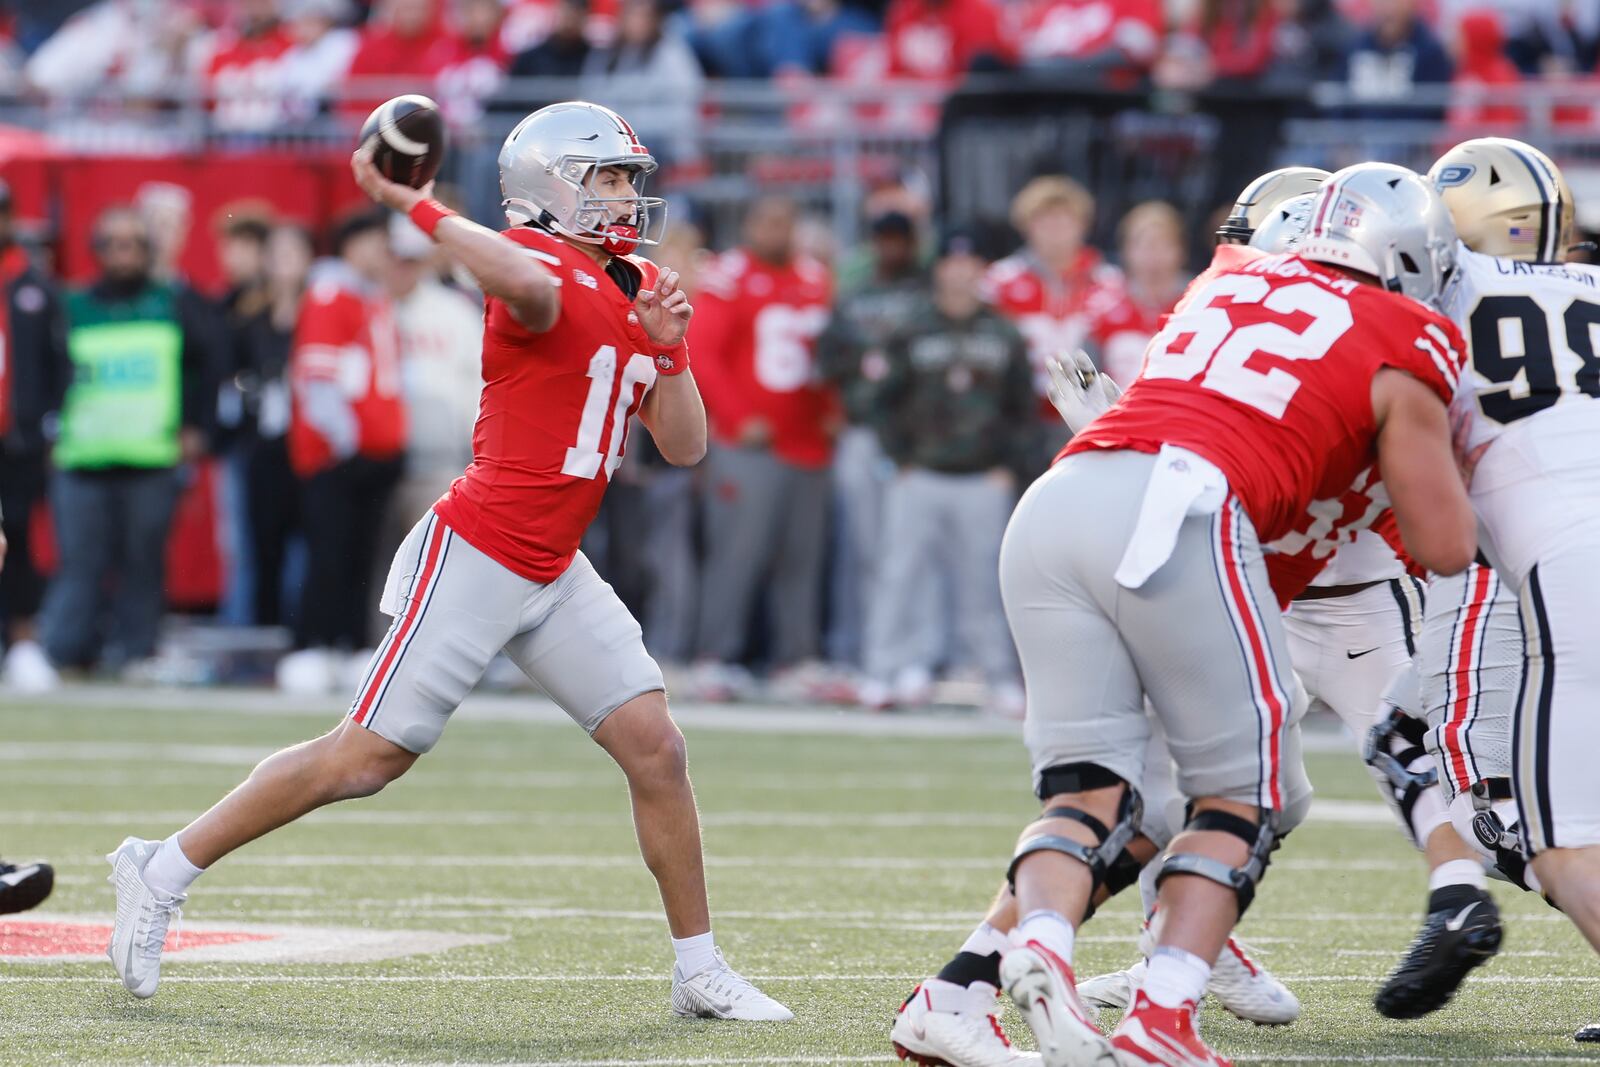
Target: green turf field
{"type": "Point", "coordinates": [842, 868]}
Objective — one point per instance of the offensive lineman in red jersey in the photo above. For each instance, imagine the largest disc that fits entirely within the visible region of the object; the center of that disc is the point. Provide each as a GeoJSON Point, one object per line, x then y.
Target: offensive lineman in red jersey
{"type": "Point", "coordinates": [1275, 385]}
{"type": "Point", "coordinates": [579, 335]}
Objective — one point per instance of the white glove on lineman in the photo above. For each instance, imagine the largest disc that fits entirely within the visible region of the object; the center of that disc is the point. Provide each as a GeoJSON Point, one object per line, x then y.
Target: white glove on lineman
{"type": "Point", "coordinates": [1079, 391]}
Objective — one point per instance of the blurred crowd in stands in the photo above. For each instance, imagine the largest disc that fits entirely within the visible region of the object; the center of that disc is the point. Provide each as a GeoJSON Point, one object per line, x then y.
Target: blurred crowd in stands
{"type": "Point", "coordinates": [872, 420]}
{"type": "Point", "coordinates": [269, 63]}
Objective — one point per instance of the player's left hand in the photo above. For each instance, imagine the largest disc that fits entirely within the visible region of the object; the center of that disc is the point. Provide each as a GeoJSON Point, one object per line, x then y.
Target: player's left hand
{"type": "Point", "coordinates": [392, 195]}
{"type": "Point", "coordinates": [664, 311]}
{"type": "Point", "coordinates": [1078, 390]}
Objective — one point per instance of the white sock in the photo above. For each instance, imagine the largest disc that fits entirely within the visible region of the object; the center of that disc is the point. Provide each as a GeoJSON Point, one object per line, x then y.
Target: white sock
{"type": "Point", "coordinates": [169, 870]}
{"type": "Point", "coordinates": [1050, 929]}
{"type": "Point", "coordinates": [986, 941]}
{"type": "Point", "coordinates": [1457, 872]}
{"type": "Point", "coordinates": [1175, 976]}
{"type": "Point", "coordinates": [696, 955]}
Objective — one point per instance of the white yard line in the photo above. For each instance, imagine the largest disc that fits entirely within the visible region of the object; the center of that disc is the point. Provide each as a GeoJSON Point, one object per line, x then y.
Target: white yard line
{"type": "Point", "coordinates": [532, 708]}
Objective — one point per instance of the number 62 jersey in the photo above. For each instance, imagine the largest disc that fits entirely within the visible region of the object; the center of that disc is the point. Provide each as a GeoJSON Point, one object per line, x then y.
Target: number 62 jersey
{"type": "Point", "coordinates": [1534, 336]}
{"type": "Point", "coordinates": [553, 416]}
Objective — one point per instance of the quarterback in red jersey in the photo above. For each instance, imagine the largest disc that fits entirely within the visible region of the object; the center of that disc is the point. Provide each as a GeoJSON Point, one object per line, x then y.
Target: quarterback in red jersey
{"type": "Point", "coordinates": [579, 336]}
{"type": "Point", "coordinates": [1275, 384]}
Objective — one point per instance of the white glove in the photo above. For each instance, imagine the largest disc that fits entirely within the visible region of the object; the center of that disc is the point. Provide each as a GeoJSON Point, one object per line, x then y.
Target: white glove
{"type": "Point", "coordinates": [1079, 391]}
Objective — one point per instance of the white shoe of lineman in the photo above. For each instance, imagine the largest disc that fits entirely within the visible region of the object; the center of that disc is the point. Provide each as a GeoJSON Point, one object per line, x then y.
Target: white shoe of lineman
{"type": "Point", "coordinates": [1114, 991]}
{"type": "Point", "coordinates": [143, 913]}
{"type": "Point", "coordinates": [1042, 986]}
{"type": "Point", "coordinates": [1243, 987]}
{"type": "Point", "coordinates": [723, 993]}
{"type": "Point", "coordinates": [943, 1025]}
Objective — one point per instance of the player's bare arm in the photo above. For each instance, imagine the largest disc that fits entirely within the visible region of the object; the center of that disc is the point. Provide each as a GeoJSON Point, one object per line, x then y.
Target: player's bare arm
{"type": "Point", "coordinates": [1418, 466]}
{"type": "Point", "coordinates": [500, 267]}
{"type": "Point", "coordinates": [673, 411]}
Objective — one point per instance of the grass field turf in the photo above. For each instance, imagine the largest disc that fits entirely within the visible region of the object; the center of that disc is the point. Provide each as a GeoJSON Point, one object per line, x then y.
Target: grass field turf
{"type": "Point", "coordinates": [842, 869]}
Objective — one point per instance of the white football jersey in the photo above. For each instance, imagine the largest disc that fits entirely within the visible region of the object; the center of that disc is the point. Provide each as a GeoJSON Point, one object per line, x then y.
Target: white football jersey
{"type": "Point", "coordinates": [1533, 331]}
{"type": "Point", "coordinates": [1534, 334]}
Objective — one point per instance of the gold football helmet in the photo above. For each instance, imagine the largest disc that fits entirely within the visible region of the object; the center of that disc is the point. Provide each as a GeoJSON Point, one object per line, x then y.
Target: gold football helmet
{"type": "Point", "coordinates": [1264, 194]}
{"type": "Point", "coordinates": [1507, 199]}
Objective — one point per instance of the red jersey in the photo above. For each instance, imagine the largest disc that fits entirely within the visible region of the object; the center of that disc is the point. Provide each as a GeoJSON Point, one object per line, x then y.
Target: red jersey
{"type": "Point", "coordinates": [937, 40]}
{"type": "Point", "coordinates": [1078, 29]}
{"type": "Point", "coordinates": [387, 63]}
{"type": "Point", "coordinates": [553, 418]}
{"type": "Point", "coordinates": [1050, 310]}
{"type": "Point", "coordinates": [1121, 325]}
{"type": "Point", "coordinates": [344, 375]}
{"type": "Point", "coordinates": [754, 334]}
{"type": "Point", "coordinates": [245, 75]}
{"type": "Point", "coordinates": [1266, 370]}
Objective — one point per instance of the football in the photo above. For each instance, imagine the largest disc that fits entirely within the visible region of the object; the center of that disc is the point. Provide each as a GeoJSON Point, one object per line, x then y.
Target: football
{"type": "Point", "coordinates": [408, 139]}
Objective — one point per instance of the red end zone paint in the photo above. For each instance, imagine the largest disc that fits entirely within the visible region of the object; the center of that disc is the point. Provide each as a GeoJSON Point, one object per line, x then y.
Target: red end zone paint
{"type": "Point", "coordinates": [44, 940]}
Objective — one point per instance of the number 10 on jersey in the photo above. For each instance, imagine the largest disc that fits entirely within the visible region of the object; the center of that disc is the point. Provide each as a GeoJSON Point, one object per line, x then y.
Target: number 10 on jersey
{"type": "Point", "coordinates": [584, 458]}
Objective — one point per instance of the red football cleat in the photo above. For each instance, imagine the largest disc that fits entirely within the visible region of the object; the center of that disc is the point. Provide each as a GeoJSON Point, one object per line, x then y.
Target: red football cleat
{"type": "Point", "coordinates": [1166, 1036]}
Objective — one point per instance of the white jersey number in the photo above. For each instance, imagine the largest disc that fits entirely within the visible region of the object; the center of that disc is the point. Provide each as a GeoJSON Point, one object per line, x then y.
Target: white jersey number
{"type": "Point", "coordinates": [1204, 338]}
{"type": "Point", "coordinates": [1511, 347]}
{"type": "Point", "coordinates": [784, 337]}
{"type": "Point", "coordinates": [584, 459]}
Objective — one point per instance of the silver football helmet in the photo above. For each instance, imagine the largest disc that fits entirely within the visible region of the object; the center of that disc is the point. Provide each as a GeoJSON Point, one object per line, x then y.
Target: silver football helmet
{"type": "Point", "coordinates": [1262, 195]}
{"type": "Point", "coordinates": [545, 168]}
{"type": "Point", "coordinates": [1282, 229]}
{"type": "Point", "coordinates": [1386, 221]}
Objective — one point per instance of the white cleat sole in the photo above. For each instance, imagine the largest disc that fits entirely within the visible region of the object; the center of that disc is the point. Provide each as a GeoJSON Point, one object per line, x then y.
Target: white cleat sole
{"type": "Point", "coordinates": [1064, 1039]}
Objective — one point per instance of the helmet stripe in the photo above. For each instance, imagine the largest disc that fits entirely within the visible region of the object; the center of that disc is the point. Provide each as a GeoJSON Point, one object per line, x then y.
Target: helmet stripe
{"type": "Point", "coordinates": [1550, 205]}
{"type": "Point", "coordinates": [1332, 193]}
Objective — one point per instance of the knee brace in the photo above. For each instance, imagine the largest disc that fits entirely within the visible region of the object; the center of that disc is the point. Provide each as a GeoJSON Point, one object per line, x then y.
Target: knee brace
{"type": "Point", "coordinates": [1108, 860]}
{"type": "Point", "coordinates": [1393, 745]}
{"type": "Point", "coordinates": [1503, 842]}
{"type": "Point", "coordinates": [1261, 837]}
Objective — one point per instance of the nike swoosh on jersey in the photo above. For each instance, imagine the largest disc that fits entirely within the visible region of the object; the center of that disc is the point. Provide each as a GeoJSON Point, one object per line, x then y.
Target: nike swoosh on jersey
{"type": "Point", "coordinates": [1357, 655]}
{"type": "Point", "coordinates": [1460, 918]}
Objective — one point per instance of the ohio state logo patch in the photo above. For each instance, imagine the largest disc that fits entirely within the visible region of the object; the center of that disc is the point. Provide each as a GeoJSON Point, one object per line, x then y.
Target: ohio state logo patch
{"type": "Point", "coordinates": [665, 362]}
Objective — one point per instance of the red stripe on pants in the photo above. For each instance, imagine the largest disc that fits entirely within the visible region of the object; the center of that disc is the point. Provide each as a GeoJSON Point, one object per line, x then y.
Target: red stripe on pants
{"type": "Point", "coordinates": [429, 566]}
{"type": "Point", "coordinates": [1461, 678]}
{"type": "Point", "coordinates": [1258, 652]}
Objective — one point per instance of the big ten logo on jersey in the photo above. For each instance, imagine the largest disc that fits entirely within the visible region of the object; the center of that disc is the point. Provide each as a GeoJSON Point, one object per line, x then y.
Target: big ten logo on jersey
{"type": "Point", "coordinates": [785, 338]}
{"type": "Point", "coordinates": [1531, 351]}
{"type": "Point", "coordinates": [615, 393]}
{"type": "Point", "coordinates": [1238, 316]}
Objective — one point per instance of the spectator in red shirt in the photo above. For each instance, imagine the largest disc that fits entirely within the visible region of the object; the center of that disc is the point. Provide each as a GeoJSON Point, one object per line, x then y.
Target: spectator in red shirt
{"type": "Point", "coordinates": [767, 486]}
{"type": "Point", "coordinates": [245, 74]}
{"type": "Point", "coordinates": [1115, 41]}
{"type": "Point", "coordinates": [1126, 312]}
{"type": "Point", "coordinates": [346, 432]}
{"type": "Point", "coordinates": [472, 64]}
{"type": "Point", "coordinates": [1482, 67]}
{"type": "Point", "coordinates": [941, 40]}
{"type": "Point", "coordinates": [401, 50]}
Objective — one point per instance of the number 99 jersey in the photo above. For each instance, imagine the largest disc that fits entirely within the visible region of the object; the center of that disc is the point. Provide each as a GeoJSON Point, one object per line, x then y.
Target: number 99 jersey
{"type": "Point", "coordinates": [553, 417]}
{"type": "Point", "coordinates": [1532, 330]}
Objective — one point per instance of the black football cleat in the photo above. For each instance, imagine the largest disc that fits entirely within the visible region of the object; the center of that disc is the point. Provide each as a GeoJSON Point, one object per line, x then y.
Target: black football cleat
{"type": "Point", "coordinates": [24, 885]}
{"type": "Point", "coordinates": [1461, 930]}
{"type": "Point", "coordinates": [1590, 1033]}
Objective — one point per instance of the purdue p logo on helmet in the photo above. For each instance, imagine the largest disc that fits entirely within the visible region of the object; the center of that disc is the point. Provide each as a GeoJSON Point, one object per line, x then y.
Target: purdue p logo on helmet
{"type": "Point", "coordinates": [1507, 199]}
{"type": "Point", "coordinates": [546, 165]}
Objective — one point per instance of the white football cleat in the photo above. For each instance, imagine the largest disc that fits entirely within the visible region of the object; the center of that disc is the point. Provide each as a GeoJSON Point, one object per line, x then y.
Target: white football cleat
{"type": "Point", "coordinates": [1042, 986]}
{"type": "Point", "coordinates": [723, 993]}
{"type": "Point", "coordinates": [1249, 991]}
{"type": "Point", "coordinates": [943, 1025]}
{"type": "Point", "coordinates": [1244, 988]}
{"type": "Point", "coordinates": [1112, 992]}
{"type": "Point", "coordinates": [140, 932]}
{"type": "Point", "coordinates": [28, 670]}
